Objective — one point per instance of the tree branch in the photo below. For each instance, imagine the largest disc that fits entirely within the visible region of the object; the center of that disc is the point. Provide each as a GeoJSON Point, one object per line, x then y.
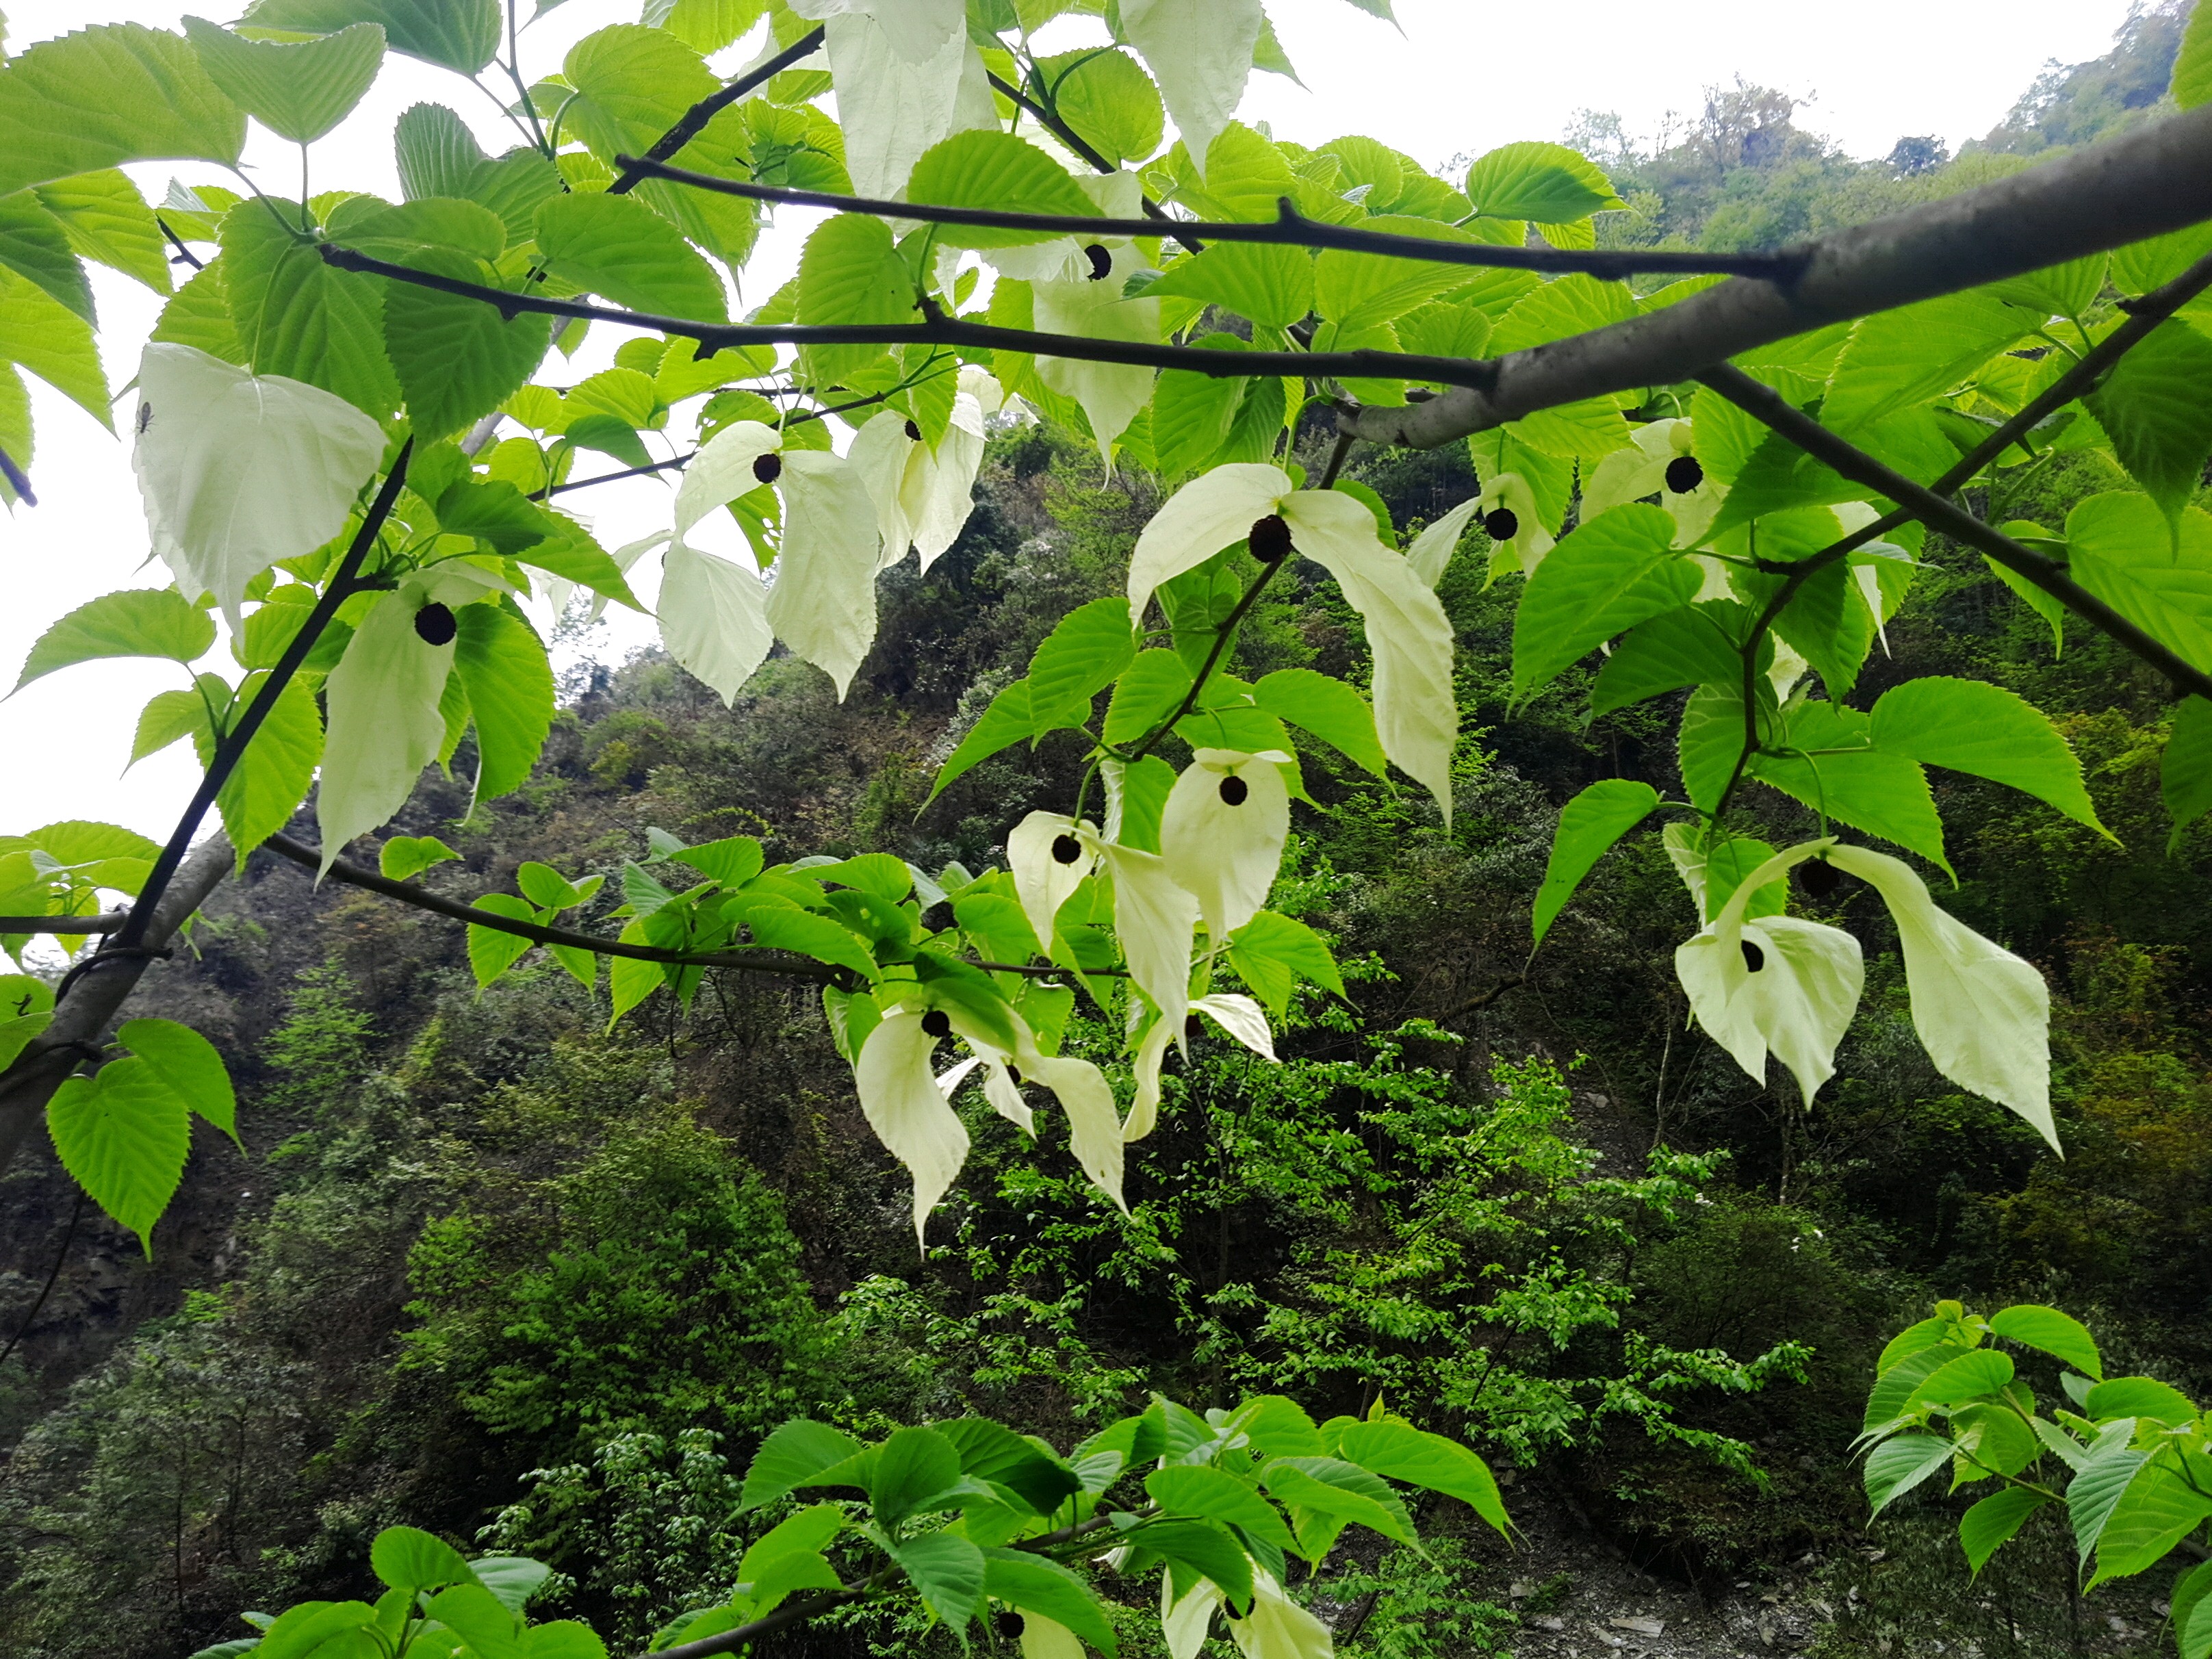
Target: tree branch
{"type": "Point", "coordinates": [785, 964]}
{"type": "Point", "coordinates": [1773, 410]}
{"type": "Point", "coordinates": [1289, 228]}
{"type": "Point", "coordinates": [108, 921]}
{"type": "Point", "coordinates": [2146, 182]}
{"type": "Point", "coordinates": [937, 329]}
{"type": "Point", "coordinates": [696, 118]}
{"type": "Point", "coordinates": [232, 749]}
{"type": "Point", "coordinates": [17, 481]}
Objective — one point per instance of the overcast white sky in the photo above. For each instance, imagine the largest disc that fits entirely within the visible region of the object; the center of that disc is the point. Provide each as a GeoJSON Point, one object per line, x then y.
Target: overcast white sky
{"type": "Point", "coordinates": [1463, 77]}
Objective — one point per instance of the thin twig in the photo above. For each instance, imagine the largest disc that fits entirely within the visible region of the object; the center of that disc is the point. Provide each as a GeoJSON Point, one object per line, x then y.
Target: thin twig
{"type": "Point", "coordinates": [178, 243]}
{"type": "Point", "coordinates": [232, 749]}
{"type": "Point", "coordinates": [938, 328]}
{"type": "Point", "coordinates": [69, 1237]}
{"type": "Point", "coordinates": [16, 479]}
{"type": "Point", "coordinates": [1075, 141]}
{"type": "Point", "coordinates": [1289, 228]}
{"type": "Point", "coordinates": [696, 118]}
{"type": "Point", "coordinates": [108, 921]}
{"type": "Point", "coordinates": [1770, 409]}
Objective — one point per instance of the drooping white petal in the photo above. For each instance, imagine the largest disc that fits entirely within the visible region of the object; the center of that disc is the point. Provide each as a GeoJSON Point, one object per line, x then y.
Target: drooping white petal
{"type": "Point", "coordinates": [1278, 1627]}
{"type": "Point", "coordinates": [917, 29]}
{"type": "Point", "coordinates": [949, 1082]}
{"type": "Point", "coordinates": [906, 1109]}
{"type": "Point", "coordinates": [890, 106]}
{"type": "Point", "coordinates": [712, 618]}
{"type": "Point", "coordinates": [1185, 1622]}
{"type": "Point", "coordinates": [822, 603]}
{"type": "Point", "coordinates": [1416, 710]}
{"type": "Point", "coordinates": [1094, 1125]}
{"type": "Point", "coordinates": [1151, 1054]}
{"type": "Point", "coordinates": [1630, 474]}
{"type": "Point", "coordinates": [1041, 1638]}
{"type": "Point", "coordinates": [938, 492]}
{"type": "Point", "coordinates": [1431, 555]}
{"type": "Point", "coordinates": [983, 387]}
{"type": "Point", "coordinates": [1110, 393]}
{"type": "Point", "coordinates": [1798, 1001]}
{"type": "Point", "coordinates": [878, 458]}
{"type": "Point", "coordinates": [1242, 1017]}
{"type": "Point", "coordinates": [722, 471]}
{"type": "Point", "coordinates": [1201, 52]}
{"type": "Point", "coordinates": [1982, 1014]}
{"type": "Point", "coordinates": [1156, 919]}
{"type": "Point", "coordinates": [238, 471]}
{"type": "Point", "coordinates": [1214, 510]}
{"type": "Point", "coordinates": [1226, 854]}
{"type": "Point", "coordinates": [1042, 882]}
{"type": "Point", "coordinates": [384, 725]}
{"type": "Point", "coordinates": [1006, 1098]}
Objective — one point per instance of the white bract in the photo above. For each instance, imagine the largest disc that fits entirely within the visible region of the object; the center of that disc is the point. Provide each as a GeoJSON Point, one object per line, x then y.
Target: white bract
{"type": "Point", "coordinates": [1185, 1622]}
{"type": "Point", "coordinates": [1239, 1015]}
{"type": "Point", "coordinates": [1773, 982]}
{"type": "Point", "coordinates": [1416, 711]}
{"type": "Point", "coordinates": [1201, 52]}
{"type": "Point", "coordinates": [1222, 834]}
{"type": "Point", "coordinates": [923, 496]}
{"type": "Point", "coordinates": [905, 82]}
{"type": "Point", "coordinates": [238, 470]}
{"type": "Point", "coordinates": [1110, 393]}
{"type": "Point", "coordinates": [1043, 1639]}
{"type": "Point", "coordinates": [1043, 882]}
{"type": "Point", "coordinates": [907, 1111]}
{"type": "Point", "coordinates": [384, 723]}
{"type": "Point", "coordinates": [1277, 1627]}
{"type": "Point", "coordinates": [1982, 1014]}
{"type": "Point", "coordinates": [1431, 555]}
{"type": "Point", "coordinates": [1524, 550]}
{"type": "Point", "coordinates": [822, 603]}
{"type": "Point", "coordinates": [1155, 919]}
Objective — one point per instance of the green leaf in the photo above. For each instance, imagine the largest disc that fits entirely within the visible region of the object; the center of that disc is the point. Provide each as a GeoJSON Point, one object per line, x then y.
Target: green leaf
{"type": "Point", "coordinates": [123, 1134]}
{"type": "Point", "coordinates": [304, 1629]}
{"type": "Point", "coordinates": [617, 246]}
{"type": "Point", "coordinates": [300, 317]}
{"type": "Point", "coordinates": [1215, 1494]}
{"type": "Point", "coordinates": [1549, 184]}
{"type": "Point", "coordinates": [2185, 771]}
{"type": "Point", "coordinates": [1607, 576]}
{"type": "Point", "coordinates": [510, 681]}
{"type": "Point", "coordinates": [2099, 1480]}
{"type": "Point", "coordinates": [1970, 725]}
{"type": "Point", "coordinates": [1362, 290]}
{"type": "Point", "coordinates": [1328, 708]}
{"type": "Point", "coordinates": [492, 950]}
{"type": "Point", "coordinates": [408, 1559]}
{"type": "Point", "coordinates": [1827, 621]}
{"type": "Point", "coordinates": [632, 84]}
{"type": "Point", "coordinates": [105, 219]}
{"type": "Point", "coordinates": [1695, 644]}
{"type": "Point", "coordinates": [1344, 1491]}
{"type": "Point", "coordinates": [913, 1465]}
{"type": "Point", "coordinates": [139, 622]}
{"type": "Point", "coordinates": [461, 35]}
{"type": "Point", "coordinates": [272, 777]}
{"type": "Point", "coordinates": [1593, 821]}
{"type": "Point", "coordinates": [1881, 793]}
{"type": "Point", "coordinates": [2053, 1333]}
{"type": "Point", "coordinates": [569, 553]}
{"type": "Point", "coordinates": [1895, 1385]}
{"type": "Point", "coordinates": [1994, 1520]}
{"type": "Point", "coordinates": [2139, 1396]}
{"type": "Point", "coordinates": [947, 1571]}
{"type": "Point", "coordinates": [198, 316]}
{"type": "Point", "coordinates": [405, 857]}
{"type": "Point", "coordinates": [1969, 1377]}
{"type": "Point", "coordinates": [1265, 281]}
{"type": "Point", "coordinates": [298, 90]}
{"type": "Point", "coordinates": [1207, 1548]}
{"type": "Point", "coordinates": [187, 1064]}
{"type": "Point", "coordinates": [1109, 101]}
{"type": "Point", "coordinates": [1897, 1466]}
{"type": "Point", "coordinates": [2189, 1620]}
{"type": "Point", "coordinates": [1034, 1584]}
{"type": "Point", "coordinates": [1405, 1453]}
{"type": "Point", "coordinates": [850, 272]}
{"type": "Point", "coordinates": [2157, 1509]}
{"type": "Point", "coordinates": [995, 170]}
{"type": "Point", "coordinates": [1271, 953]}
{"type": "Point", "coordinates": [53, 342]}
{"type": "Point", "coordinates": [33, 244]}
{"type": "Point", "coordinates": [1080, 658]}
{"type": "Point", "coordinates": [2151, 406]}
{"type": "Point", "coordinates": [480, 1619]}
{"type": "Point", "coordinates": [1010, 719]}
{"type": "Point", "coordinates": [457, 360]}
{"type": "Point", "coordinates": [992, 1452]}
{"type": "Point", "coordinates": [2121, 549]}
{"type": "Point", "coordinates": [115, 93]}
{"type": "Point", "coordinates": [2192, 66]}
{"type": "Point", "coordinates": [1906, 356]}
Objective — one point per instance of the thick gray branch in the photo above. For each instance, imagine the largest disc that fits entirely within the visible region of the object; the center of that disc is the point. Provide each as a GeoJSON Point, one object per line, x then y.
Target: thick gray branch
{"type": "Point", "coordinates": [82, 1016]}
{"type": "Point", "coordinates": [2154, 180]}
